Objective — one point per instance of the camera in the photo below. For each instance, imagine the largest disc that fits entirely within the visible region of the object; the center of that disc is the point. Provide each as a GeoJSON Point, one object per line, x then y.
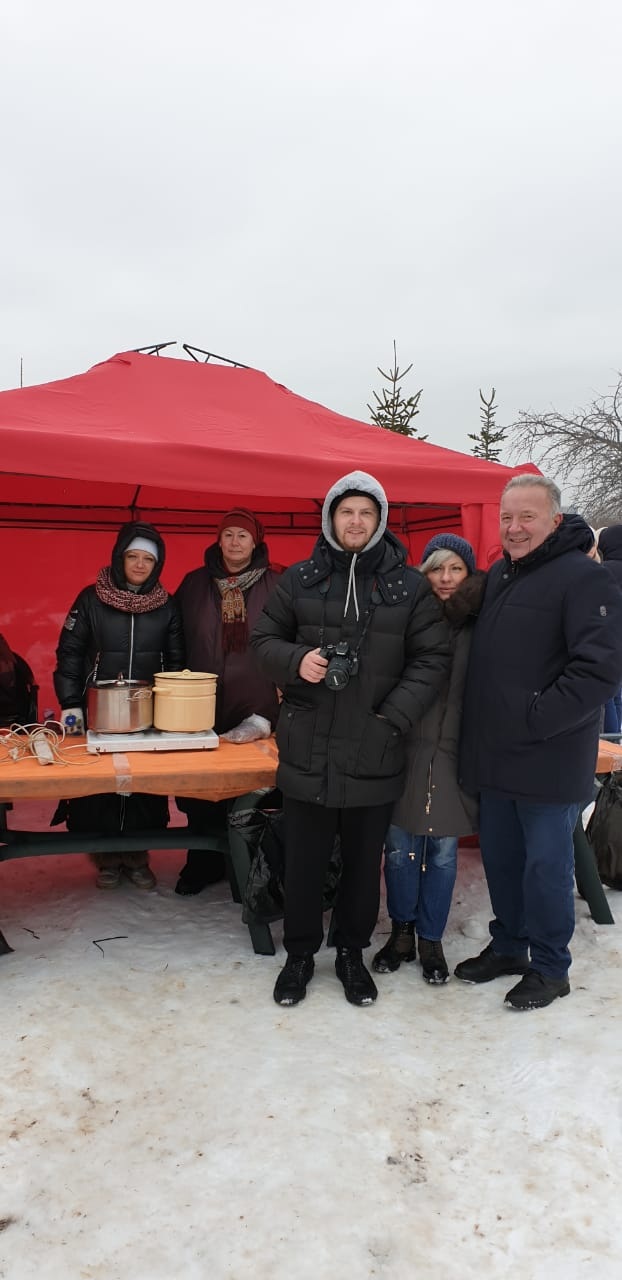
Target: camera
{"type": "Point", "coordinates": [342, 664]}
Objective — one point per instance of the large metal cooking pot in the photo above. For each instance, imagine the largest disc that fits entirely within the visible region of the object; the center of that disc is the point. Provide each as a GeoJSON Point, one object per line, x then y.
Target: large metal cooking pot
{"type": "Point", "coordinates": [119, 706]}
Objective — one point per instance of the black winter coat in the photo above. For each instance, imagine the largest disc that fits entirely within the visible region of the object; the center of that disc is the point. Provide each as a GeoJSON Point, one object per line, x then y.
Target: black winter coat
{"type": "Point", "coordinates": [546, 654]}
{"type": "Point", "coordinates": [610, 547]}
{"type": "Point", "coordinates": [334, 749]}
{"type": "Point", "coordinates": [97, 641]}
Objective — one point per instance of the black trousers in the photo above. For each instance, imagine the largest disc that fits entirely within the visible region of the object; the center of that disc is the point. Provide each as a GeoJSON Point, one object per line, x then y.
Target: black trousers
{"type": "Point", "coordinates": [310, 831]}
{"type": "Point", "coordinates": [205, 818]}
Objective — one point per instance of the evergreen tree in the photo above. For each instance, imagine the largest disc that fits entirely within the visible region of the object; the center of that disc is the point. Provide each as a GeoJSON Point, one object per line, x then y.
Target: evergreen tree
{"type": "Point", "coordinates": [489, 437]}
{"type": "Point", "coordinates": [394, 411]}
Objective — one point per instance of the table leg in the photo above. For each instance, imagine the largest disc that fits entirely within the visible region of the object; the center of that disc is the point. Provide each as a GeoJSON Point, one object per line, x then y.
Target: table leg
{"type": "Point", "coordinates": [587, 877]}
{"type": "Point", "coordinates": [5, 949]}
{"type": "Point", "coordinates": [240, 860]}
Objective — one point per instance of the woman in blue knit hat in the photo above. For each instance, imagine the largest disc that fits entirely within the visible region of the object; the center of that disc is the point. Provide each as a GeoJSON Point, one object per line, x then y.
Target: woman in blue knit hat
{"type": "Point", "coordinates": [421, 846]}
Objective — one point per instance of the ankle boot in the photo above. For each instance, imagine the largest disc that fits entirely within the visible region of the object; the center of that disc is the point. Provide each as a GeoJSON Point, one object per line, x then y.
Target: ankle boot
{"type": "Point", "coordinates": [401, 946]}
{"type": "Point", "coordinates": [358, 983]}
{"type": "Point", "coordinates": [433, 962]}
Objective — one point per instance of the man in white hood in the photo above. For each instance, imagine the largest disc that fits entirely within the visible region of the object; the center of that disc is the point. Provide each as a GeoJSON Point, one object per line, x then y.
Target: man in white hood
{"type": "Point", "coordinates": [358, 644]}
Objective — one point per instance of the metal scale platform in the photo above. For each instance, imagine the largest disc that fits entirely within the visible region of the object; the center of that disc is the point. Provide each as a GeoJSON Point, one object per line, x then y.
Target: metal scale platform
{"type": "Point", "coordinates": [150, 740]}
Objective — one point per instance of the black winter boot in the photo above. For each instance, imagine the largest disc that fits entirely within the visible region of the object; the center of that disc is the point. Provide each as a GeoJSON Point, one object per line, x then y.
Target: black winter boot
{"type": "Point", "coordinates": [536, 991]}
{"type": "Point", "coordinates": [358, 983]}
{"type": "Point", "coordinates": [401, 946]}
{"type": "Point", "coordinates": [488, 965]}
{"type": "Point", "coordinates": [291, 984]}
{"type": "Point", "coordinates": [433, 962]}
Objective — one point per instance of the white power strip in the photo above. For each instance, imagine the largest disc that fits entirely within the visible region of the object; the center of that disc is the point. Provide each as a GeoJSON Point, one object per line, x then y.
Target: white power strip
{"type": "Point", "coordinates": [42, 749]}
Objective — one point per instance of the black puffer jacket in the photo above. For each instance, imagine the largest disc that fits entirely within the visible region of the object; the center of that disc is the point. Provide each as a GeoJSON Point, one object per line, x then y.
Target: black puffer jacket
{"type": "Point", "coordinates": [610, 547]}
{"type": "Point", "coordinates": [100, 642]}
{"type": "Point", "coordinates": [546, 655]}
{"type": "Point", "coordinates": [334, 748]}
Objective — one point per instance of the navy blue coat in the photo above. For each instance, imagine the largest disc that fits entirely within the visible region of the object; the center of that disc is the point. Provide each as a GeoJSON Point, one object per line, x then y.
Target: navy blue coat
{"type": "Point", "coordinates": [546, 655]}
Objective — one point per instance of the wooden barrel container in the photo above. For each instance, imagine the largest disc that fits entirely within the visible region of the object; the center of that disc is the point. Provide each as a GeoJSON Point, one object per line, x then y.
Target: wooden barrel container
{"type": "Point", "coordinates": [184, 701]}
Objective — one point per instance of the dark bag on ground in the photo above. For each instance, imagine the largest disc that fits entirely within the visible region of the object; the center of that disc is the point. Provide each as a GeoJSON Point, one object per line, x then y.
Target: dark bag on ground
{"type": "Point", "coordinates": [604, 831]}
{"type": "Point", "coordinates": [263, 832]}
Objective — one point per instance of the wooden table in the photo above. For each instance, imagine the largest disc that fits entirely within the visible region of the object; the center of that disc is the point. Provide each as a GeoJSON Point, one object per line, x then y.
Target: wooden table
{"type": "Point", "coordinates": [609, 757]}
{"type": "Point", "coordinates": [224, 773]}
{"type": "Point", "coordinates": [230, 771]}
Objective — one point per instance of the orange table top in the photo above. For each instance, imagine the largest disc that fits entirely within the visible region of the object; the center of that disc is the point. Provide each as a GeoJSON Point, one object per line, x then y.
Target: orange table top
{"type": "Point", "coordinates": [609, 757]}
{"type": "Point", "coordinates": [231, 769]}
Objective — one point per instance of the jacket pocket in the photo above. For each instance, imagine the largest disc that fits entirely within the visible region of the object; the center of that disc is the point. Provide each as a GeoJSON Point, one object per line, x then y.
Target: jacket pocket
{"type": "Point", "coordinates": [294, 734]}
{"type": "Point", "coordinates": [381, 752]}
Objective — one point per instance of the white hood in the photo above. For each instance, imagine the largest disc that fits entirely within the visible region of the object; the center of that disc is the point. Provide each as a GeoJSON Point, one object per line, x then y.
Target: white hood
{"type": "Point", "coordinates": [364, 483]}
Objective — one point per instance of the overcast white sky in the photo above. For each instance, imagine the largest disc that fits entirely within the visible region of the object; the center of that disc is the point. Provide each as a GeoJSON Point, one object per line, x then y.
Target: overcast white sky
{"type": "Point", "coordinates": [296, 185]}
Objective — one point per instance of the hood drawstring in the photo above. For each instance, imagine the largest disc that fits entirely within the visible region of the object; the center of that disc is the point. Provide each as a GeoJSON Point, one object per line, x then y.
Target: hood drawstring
{"type": "Point", "coordinates": [352, 589]}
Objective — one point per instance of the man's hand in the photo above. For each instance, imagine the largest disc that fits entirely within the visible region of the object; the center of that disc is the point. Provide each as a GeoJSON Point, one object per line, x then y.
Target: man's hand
{"type": "Point", "coordinates": [313, 667]}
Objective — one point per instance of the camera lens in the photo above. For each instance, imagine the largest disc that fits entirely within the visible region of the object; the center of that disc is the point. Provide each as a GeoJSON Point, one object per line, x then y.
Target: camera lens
{"type": "Point", "coordinates": [337, 674]}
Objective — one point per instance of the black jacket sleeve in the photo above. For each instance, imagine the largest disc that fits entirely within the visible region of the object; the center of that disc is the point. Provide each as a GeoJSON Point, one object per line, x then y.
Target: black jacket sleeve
{"type": "Point", "coordinates": [592, 626]}
{"type": "Point", "coordinates": [174, 651]}
{"type": "Point", "coordinates": [274, 636]}
{"type": "Point", "coordinates": [429, 648]}
{"type": "Point", "coordinates": [72, 654]}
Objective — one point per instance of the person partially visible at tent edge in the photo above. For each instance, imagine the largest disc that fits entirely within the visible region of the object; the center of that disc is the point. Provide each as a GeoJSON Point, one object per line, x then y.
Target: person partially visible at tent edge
{"type": "Point", "coordinates": [545, 656]}
{"type": "Point", "coordinates": [124, 624]}
{"type": "Point", "coordinates": [609, 542]}
{"type": "Point", "coordinates": [357, 642]}
{"type": "Point", "coordinates": [220, 603]}
{"type": "Point", "coordinates": [18, 691]}
{"type": "Point", "coordinates": [421, 846]}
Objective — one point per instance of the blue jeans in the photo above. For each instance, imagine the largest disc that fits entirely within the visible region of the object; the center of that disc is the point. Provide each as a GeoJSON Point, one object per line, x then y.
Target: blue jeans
{"type": "Point", "coordinates": [420, 874]}
{"type": "Point", "coordinates": [528, 857]}
{"type": "Point", "coordinates": [613, 714]}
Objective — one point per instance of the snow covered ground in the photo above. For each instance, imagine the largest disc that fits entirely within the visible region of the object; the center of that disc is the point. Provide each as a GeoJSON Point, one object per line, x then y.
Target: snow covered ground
{"type": "Point", "coordinates": [161, 1117]}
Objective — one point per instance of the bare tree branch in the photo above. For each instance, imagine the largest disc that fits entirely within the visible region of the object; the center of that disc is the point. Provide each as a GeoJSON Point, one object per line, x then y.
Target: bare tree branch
{"type": "Point", "coordinates": [583, 450]}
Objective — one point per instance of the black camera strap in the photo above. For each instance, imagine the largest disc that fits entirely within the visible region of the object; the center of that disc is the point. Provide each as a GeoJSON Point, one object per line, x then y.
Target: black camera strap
{"type": "Point", "coordinates": [374, 600]}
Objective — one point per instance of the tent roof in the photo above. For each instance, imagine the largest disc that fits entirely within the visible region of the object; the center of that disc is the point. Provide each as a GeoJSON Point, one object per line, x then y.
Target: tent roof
{"type": "Point", "coordinates": [149, 431]}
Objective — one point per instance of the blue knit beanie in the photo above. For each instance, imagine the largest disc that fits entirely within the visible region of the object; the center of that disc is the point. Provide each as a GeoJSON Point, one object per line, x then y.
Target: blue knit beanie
{"type": "Point", "coordinates": [451, 542]}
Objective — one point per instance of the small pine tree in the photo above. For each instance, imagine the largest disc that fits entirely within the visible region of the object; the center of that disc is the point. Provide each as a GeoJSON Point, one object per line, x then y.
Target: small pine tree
{"type": "Point", "coordinates": [490, 436]}
{"type": "Point", "coordinates": [392, 410]}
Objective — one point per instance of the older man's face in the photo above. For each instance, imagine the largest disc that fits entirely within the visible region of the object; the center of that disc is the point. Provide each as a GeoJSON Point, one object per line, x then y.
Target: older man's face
{"type": "Point", "coordinates": [526, 520]}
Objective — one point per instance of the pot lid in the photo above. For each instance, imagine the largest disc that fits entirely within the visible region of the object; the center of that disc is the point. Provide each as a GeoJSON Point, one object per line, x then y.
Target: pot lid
{"type": "Point", "coordinates": [186, 675]}
{"type": "Point", "coordinates": [119, 683]}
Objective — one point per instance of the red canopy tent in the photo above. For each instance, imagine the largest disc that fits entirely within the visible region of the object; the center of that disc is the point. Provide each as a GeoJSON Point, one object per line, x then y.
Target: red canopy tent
{"type": "Point", "coordinates": [177, 443]}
